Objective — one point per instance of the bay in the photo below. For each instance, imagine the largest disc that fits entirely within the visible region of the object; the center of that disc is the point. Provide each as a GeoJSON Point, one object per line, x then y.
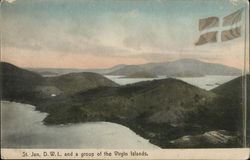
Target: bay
{"type": "Point", "coordinates": [22, 127]}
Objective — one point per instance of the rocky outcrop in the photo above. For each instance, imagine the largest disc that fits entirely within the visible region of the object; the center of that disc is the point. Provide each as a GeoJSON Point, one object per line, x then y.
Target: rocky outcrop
{"type": "Point", "coordinates": [219, 138]}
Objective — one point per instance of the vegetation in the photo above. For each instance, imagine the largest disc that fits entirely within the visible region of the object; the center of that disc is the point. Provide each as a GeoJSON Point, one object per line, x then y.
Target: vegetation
{"type": "Point", "coordinates": [162, 111]}
{"type": "Point", "coordinates": [78, 82]}
{"type": "Point", "coordinates": [25, 86]}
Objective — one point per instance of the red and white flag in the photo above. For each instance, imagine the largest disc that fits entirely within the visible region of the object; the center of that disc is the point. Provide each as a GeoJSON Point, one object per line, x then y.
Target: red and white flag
{"type": "Point", "coordinates": [234, 31]}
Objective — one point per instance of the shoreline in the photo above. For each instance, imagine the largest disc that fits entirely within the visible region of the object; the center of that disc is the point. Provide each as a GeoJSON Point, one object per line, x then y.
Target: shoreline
{"type": "Point", "coordinates": [62, 125]}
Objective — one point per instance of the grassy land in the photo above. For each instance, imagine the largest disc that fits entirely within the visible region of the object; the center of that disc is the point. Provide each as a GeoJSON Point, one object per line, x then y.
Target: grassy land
{"type": "Point", "coordinates": [158, 110]}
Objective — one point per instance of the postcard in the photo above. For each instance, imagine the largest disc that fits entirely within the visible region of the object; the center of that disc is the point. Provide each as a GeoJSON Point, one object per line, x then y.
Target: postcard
{"type": "Point", "coordinates": [124, 79]}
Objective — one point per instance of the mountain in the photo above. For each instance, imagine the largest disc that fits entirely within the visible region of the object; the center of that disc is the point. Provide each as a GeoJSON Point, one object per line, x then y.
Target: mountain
{"type": "Point", "coordinates": [154, 109]}
{"type": "Point", "coordinates": [223, 116]}
{"type": "Point", "coordinates": [226, 108]}
{"type": "Point", "coordinates": [61, 71]}
{"type": "Point", "coordinates": [78, 82]}
{"type": "Point", "coordinates": [232, 93]}
{"type": "Point", "coordinates": [26, 86]}
{"type": "Point", "coordinates": [127, 70]}
{"type": "Point", "coordinates": [105, 70]}
{"type": "Point", "coordinates": [54, 71]}
{"type": "Point", "coordinates": [181, 67]}
{"type": "Point", "coordinates": [18, 84]}
{"type": "Point", "coordinates": [139, 98]}
{"type": "Point", "coordinates": [166, 111]}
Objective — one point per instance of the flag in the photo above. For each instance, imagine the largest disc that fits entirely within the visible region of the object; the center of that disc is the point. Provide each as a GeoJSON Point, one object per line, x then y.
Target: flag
{"type": "Point", "coordinates": [209, 22]}
{"type": "Point", "coordinates": [229, 29]}
{"type": "Point", "coordinates": [230, 34]}
{"type": "Point", "coordinates": [232, 18]}
{"type": "Point", "coordinates": [209, 37]}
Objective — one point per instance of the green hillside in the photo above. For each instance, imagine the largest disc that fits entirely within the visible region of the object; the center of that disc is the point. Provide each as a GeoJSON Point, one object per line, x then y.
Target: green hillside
{"type": "Point", "coordinates": [154, 109]}
{"type": "Point", "coordinates": [79, 82]}
{"type": "Point", "coordinates": [18, 84]}
{"type": "Point", "coordinates": [166, 111]}
{"type": "Point", "coordinates": [21, 85]}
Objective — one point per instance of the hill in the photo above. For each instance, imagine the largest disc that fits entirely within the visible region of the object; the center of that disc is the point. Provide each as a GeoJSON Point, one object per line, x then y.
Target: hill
{"type": "Point", "coordinates": [136, 106]}
{"type": "Point", "coordinates": [180, 67]}
{"type": "Point", "coordinates": [21, 85]}
{"type": "Point", "coordinates": [224, 116]}
{"type": "Point", "coordinates": [79, 82]}
{"type": "Point", "coordinates": [55, 71]}
{"type": "Point", "coordinates": [61, 71]}
{"type": "Point", "coordinates": [164, 111]}
{"type": "Point", "coordinates": [18, 84]}
{"type": "Point", "coordinates": [232, 92]}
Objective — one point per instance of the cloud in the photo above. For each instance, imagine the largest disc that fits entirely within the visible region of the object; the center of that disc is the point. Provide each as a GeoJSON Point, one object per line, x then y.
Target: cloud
{"type": "Point", "coordinates": [145, 39]}
{"type": "Point", "coordinates": [66, 37]}
{"type": "Point", "coordinates": [129, 14]}
{"type": "Point", "coordinates": [108, 34]}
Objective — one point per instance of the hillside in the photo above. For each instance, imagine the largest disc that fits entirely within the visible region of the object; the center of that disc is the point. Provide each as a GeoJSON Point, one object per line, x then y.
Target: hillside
{"type": "Point", "coordinates": [233, 93]}
{"type": "Point", "coordinates": [79, 82]}
{"type": "Point", "coordinates": [224, 116]}
{"type": "Point", "coordinates": [180, 67]}
{"type": "Point", "coordinates": [61, 71]}
{"type": "Point", "coordinates": [19, 84]}
{"type": "Point", "coordinates": [166, 111]}
{"type": "Point", "coordinates": [136, 106]}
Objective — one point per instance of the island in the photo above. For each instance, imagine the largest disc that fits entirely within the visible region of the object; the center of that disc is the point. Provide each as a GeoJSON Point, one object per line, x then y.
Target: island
{"type": "Point", "coordinates": [169, 112]}
{"type": "Point", "coordinates": [141, 75]}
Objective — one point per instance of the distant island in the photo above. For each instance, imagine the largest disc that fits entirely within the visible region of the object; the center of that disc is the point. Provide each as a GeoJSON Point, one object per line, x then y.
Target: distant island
{"type": "Point", "coordinates": [141, 75]}
{"type": "Point", "coordinates": [181, 68]}
{"type": "Point", "coordinates": [169, 112]}
{"type": "Point", "coordinates": [187, 75]}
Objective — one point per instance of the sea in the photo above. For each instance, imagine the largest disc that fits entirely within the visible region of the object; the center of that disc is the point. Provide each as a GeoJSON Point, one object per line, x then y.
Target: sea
{"type": "Point", "coordinates": [207, 82]}
{"type": "Point", "coordinates": [22, 126]}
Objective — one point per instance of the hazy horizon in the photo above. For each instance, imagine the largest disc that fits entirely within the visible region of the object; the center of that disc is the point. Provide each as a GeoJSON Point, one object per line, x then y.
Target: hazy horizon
{"type": "Point", "coordinates": [102, 34]}
{"type": "Point", "coordinates": [120, 64]}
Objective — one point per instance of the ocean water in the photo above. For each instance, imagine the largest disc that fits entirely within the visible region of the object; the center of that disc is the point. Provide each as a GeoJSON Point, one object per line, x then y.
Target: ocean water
{"type": "Point", "coordinates": [22, 127]}
{"type": "Point", "coordinates": [207, 82]}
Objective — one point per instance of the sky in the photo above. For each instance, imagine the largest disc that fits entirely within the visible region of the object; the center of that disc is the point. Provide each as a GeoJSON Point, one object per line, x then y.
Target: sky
{"type": "Point", "coordinates": [101, 34]}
